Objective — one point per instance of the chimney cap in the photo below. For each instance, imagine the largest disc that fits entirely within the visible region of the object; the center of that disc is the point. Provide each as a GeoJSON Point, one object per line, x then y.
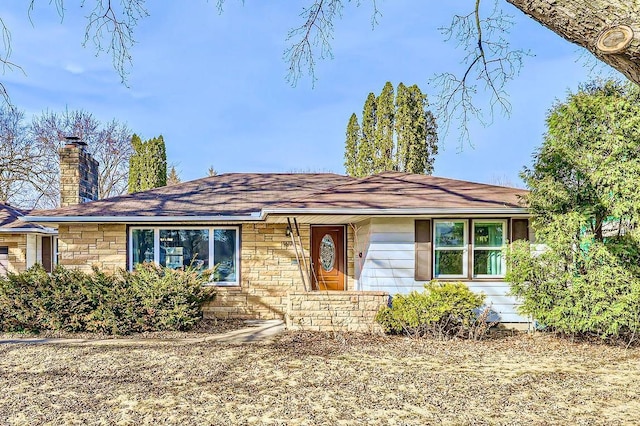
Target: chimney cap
{"type": "Point", "coordinates": [75, 140]}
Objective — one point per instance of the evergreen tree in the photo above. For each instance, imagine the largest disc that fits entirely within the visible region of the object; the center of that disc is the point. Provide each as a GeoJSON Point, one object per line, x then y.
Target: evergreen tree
{"type": "Point", "coordinates": [148, 164]}
{"type": "Point", "coordinates": [351, 146]}
{"type": "Point", "coordinates": [366, 147]}
{"type": "Point", "coordinates": [417, 135]}
{"type": "Point", "coordinates": [173, 177]}
{"type": "Point", "coordinates": [395, 135]}
{"type": "Point", "coordinates": [384, 146]}
{"type": "Point", "coordinates": [211, 171]}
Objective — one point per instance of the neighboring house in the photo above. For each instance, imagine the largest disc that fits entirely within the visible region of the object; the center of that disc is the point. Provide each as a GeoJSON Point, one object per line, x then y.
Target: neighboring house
{"type": "Point", "coordinates": [278, 241]}
{"type": "Point", "coordinates": [24, 244]}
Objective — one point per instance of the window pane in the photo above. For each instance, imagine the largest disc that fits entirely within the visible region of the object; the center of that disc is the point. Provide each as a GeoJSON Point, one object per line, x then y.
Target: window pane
{"type": "Point", "coordinates": [142, 245]}
{"type": "Point", "coordinates": [487, 262]}
{"type": "Point", "coordinates": [182, 248]}
{"type": "Point", "coordinates": [224, 255]}
{"type": "Point", "coordinates": [449, 262]}
{"type": "Point", "coordinates": [488, 234]}
{"type": "Point", "coordinates": [449, 234]}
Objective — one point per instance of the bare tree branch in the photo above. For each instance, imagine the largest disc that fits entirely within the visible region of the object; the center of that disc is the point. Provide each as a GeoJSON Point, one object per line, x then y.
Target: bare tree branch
{"type": "Point", "coordinates": [490, 61]}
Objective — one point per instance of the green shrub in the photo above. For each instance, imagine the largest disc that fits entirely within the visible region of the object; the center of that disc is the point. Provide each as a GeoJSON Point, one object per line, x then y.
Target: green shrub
{"type": "Point", "coordinates": [148, 299]}
{"type": "Point", "coordinates": [587, 291]}
{"type": "Point", "coordinates": [441, 310]}
{"type": "Point", "coordinates": [170, 299]}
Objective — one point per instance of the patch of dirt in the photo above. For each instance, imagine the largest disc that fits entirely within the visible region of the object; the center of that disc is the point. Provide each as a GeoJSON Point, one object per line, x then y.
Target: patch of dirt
{"type": "Point", "coordinates": [313, 378]}
{"type": "Point", "coordinates": [203, 328]}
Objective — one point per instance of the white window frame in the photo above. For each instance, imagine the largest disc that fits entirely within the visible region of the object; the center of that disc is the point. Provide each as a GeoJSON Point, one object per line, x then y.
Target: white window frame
{"type": "Point", "coordinates": [503, 261]}
{"type": "Point", "coordinates": [211, 229]}
{"type": "Point", "coordinates": [464, 248]}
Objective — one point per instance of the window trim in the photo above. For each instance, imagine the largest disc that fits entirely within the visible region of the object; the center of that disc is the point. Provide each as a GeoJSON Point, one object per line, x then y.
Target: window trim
{"type": "Point", "coordinates": [210, 228]}
{"type": "Point", "coordinates": [464, 248]}
{"type": "Point", "coordinates": [505, 240]}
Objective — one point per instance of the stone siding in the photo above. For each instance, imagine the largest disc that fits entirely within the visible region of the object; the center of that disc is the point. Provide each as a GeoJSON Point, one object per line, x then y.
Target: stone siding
{"type": "Point", "coordinates": [82, 246]}
{"type": "Point", "coordinates": [17, 244]}
{"type": "Point", "coordinates": [268, 273]}
{"type": "Point", "coordinates": [335, 311]}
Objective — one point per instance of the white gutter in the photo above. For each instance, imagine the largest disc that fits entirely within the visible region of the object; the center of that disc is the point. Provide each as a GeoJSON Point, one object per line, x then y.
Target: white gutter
{"type": "Point", "coordinates": [398, 211]}
{"type": "Point", "coordinates": [262, 215]}
{"type": "Point", "coordinates": [138, 219]}
{"type": "Point", "coordinates": [28, 231]}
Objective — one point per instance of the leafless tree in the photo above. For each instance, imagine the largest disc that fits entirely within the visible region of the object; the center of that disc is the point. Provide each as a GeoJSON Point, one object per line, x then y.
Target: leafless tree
{"type": "Point", "coordinates": [110, 145]}
{"type": "Point", "coordinates": [29, 161]}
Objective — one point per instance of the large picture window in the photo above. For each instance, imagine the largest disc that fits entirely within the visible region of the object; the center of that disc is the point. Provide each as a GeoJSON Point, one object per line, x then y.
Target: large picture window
{"type": "Point", "coordinates": [489, 238]}
{"type": "Point", "coordinates": [450, 249]}
{"type": "Point", "coordinates": [181, 247]}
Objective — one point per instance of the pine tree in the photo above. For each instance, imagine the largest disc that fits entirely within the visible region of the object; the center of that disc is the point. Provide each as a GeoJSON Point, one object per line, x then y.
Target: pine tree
{"type": "Point", "coordinates": [211, 171]}
{"type": "Point", "coordinates": [400, 135]}
{"type": "Point", "coordinates": [351, 147]}
{"type": "Point", "coordinates": [173, 177]}
{"type": "Point", "coordinates": [148, 164]}
{"type": "Point", "coordinates": [385, 113]}
{"type": "Point", "coordinates": [366, 147]}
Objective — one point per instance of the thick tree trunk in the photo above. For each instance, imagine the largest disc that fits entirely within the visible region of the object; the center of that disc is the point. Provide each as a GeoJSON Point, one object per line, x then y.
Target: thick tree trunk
{"type": "Point", "coordinates": [610, 29]}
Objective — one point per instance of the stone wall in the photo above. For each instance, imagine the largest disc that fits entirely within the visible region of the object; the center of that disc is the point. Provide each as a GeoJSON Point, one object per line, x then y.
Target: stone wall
{"type": "Point", "coordinates": [82, 246]}
{"type": "Point", "coordinates": [335, 311]}
{"type": "Point", "coordinates": [17, 244]}
{"type": "Point", "coordinates": [268, 273]}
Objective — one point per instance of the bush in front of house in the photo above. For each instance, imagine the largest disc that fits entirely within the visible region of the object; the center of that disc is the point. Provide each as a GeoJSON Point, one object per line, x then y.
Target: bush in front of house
{"type": "Point", "coordinates": [441, 310]}
{"type": "Point", "coordinates": [588, 289]}
{"type": "Point", "coordinates": [151, 298]}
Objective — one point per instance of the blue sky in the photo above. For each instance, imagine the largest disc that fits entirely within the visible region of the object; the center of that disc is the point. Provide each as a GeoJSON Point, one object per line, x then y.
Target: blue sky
{"type": "Point", "coordinates": [214, 84]}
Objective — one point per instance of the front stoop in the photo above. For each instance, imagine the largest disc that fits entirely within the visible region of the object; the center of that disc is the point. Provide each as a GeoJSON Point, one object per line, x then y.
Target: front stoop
{"type": "Point", "coordinates": [335, 310]}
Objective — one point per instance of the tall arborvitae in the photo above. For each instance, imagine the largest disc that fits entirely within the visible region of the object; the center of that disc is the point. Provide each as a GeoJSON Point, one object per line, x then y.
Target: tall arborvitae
{"type": "Point", "coordinates": [351, 146]}
{"type": "Point", "coordinates": [148, 164]}
{"type": "Point", "coordinates": [416, 131]}
{"type": "Point", "coordinates": [366, 147]}
{"type": "Point", "coordinates": [135, 163]}
{"type": "Point", "coordinates": [400, 135]}
{"type": "Point", "coordinates": [385, 112]}
{"type": "Point", "coordinates": [403, 125]}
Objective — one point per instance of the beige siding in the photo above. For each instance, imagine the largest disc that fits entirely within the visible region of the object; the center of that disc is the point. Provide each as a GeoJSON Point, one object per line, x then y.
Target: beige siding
{"type": "Point", "coordinates": [335, 310]}
{"type": "Point", "coordinates": [17, 244]}
{"type": "Point", "coordinates": [82, 246]}
{"type": "Point", "coordinates": [268, 273]}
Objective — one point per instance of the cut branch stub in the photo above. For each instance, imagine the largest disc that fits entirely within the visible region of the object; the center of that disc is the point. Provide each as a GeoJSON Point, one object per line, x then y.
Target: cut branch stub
{"type": "Point", "coordinates": [615, 39]}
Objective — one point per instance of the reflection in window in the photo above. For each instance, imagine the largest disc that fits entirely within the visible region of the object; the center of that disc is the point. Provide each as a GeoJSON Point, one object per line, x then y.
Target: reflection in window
{"type": "Point", "coordinates": [142, 245]}
{"type": "Point", "coordinates": [224, 254]}
{"type": "Point", "coordinates": [450, 249]}
{"type": "Point", "coordinates": [182, 248]}
{"type": "Point", "coordinates": [178, 248]}
{"type": "Point", "coordinates": [488, 240]}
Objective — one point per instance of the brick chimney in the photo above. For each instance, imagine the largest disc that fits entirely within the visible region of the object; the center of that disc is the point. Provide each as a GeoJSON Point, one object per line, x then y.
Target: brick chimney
{"type": "Point", "coordinates": [78, 173]}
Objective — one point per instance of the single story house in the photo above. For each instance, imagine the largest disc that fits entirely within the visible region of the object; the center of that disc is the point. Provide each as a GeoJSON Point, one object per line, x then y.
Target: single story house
{"type": "Point", "coordinates": [23, 244]}
{"type": "Point", "coordinates": [322, 250]}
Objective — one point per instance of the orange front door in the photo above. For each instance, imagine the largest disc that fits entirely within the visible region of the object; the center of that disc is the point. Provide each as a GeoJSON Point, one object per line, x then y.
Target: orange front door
{"type": "Point", "coordinates": [327, 257]}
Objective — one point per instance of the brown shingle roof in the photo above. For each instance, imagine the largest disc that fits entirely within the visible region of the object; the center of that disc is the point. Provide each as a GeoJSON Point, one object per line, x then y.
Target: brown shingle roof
{"type": "Point", "coordinates": [396, 190]}
{"type": "Point", "coordinates": [231, 194]}
{"type": "Point", "coordinates": [9, 220]}
{"type": "Point", "coordinates": [241, 194]}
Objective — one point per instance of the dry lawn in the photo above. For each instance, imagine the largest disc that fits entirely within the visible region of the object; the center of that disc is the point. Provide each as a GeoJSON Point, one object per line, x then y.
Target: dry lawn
{"type": "Point", "coordinates": [305, 378]}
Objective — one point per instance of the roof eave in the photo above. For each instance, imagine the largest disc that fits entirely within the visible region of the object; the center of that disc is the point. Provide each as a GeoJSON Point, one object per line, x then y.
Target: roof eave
{"type": "Point", "coordinates": [139, 219]}
{"type": "Point", "coordinates": [47, 231]}
{"type": "Point", "coordinates": [398, 211]}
